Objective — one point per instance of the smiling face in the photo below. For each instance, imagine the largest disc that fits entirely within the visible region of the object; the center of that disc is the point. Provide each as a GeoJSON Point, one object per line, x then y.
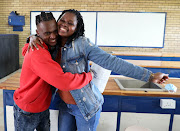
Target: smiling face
{"type": "Point", "coordinates": [67, 25]}
{"type": "Point", "coordinates": [47, 30]}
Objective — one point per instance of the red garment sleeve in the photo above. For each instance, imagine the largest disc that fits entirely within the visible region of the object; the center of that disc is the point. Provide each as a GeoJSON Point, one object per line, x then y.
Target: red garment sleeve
{"type": "Point", "coordinates": [24, 49]}
{"type": "Point", "coordinates": [51, 72]}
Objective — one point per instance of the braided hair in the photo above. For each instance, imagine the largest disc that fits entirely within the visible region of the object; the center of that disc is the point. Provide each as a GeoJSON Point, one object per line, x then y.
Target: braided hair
{"type": "Point", "coordinates": [80, 24]}
{"type": "Point", "coordinates": [44, 17]}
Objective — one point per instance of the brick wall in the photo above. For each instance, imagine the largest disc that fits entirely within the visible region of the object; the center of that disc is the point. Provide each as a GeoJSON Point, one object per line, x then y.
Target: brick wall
{"type": "Point", "coordinates": [23, 7]}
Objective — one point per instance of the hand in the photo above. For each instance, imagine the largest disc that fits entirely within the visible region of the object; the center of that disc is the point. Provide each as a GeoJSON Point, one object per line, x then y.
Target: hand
{"type": "Point", "coordinates": [159, 78]}
{"type": "Point", "coordinates": [93, 73]}
{"type": "Point", "coordinates": [34, 40]}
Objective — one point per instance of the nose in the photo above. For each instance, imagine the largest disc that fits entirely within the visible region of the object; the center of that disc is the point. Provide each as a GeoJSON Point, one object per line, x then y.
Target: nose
{"type": "Point", "coordinates": [53, 35]}
{"type": "Point", "coordinates": [64, 24]}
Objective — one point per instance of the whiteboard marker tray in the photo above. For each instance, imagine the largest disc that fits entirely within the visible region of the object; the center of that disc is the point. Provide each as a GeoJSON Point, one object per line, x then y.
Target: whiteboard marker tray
{"type": "Point", "coordinates": [137, 85]}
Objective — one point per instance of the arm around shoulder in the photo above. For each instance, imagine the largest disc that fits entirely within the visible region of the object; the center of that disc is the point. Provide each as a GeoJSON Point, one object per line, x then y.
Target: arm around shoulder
{"type": "Point", "coordinates": [51, 72]}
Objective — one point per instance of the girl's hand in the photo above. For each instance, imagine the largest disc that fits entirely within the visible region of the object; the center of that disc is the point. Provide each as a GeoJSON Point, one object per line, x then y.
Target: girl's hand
{"type": "Point", "coordinates": [159, 78]}
{"type": "Point", "coordinates": [33, 41]}
{"type": "Point", "coordinates": [93, 73]}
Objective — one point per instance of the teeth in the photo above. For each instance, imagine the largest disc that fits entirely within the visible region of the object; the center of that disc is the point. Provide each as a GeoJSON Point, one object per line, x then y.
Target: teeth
{"type": "Point", "coordinates": [53, 40]}
{"type": "Point", "coordinates": [63, 29]}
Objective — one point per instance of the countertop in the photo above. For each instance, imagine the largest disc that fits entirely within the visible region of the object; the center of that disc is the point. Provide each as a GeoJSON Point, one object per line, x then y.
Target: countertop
{"type": "Point", "coordinates": [11, 82]}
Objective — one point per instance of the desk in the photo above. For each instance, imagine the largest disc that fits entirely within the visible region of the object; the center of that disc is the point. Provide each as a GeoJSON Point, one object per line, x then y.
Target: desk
{"type": "Point", "coordinates": [169, 67]}
{"type": "Point", "coordinates": [123, 101]}
{"type": "Point", "coordinates": [156, 62]}
{"type": "Point", "coordinates": [148, 56]}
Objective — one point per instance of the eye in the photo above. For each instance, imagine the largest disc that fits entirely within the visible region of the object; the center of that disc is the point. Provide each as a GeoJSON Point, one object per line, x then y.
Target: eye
{"type": "Point", "coordinates": [69, 23]}
{"type": "Point", "coordinates": [47, 33]}
{"type": "Point", "coordinates": [56, 31]}
{"type": "Point", "coordinates": [61, 20]}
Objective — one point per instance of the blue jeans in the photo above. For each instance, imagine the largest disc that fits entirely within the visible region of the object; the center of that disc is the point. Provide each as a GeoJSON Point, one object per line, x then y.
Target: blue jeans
{"type": "Point", "coordinates": [26, 121]}
{"type": "Point", "coordinates": [72, 120]}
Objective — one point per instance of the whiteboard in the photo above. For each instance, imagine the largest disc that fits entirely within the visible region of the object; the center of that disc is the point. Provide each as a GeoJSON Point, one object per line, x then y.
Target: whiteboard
{"type": "Point", "coordinates": [131, 29]}
{"type": "Point", "coordinates": [121, 29]}
{"type": "Point", "coordinates": [88, 17]}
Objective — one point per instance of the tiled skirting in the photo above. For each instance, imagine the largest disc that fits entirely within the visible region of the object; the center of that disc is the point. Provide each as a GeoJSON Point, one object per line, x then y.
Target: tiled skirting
{"type": "Point", "coordinates": [1, 111]}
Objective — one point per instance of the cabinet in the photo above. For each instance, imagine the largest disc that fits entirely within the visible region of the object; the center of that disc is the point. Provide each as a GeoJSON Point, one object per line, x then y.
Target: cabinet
{"type": "Point", "coordinates": [9, 54]}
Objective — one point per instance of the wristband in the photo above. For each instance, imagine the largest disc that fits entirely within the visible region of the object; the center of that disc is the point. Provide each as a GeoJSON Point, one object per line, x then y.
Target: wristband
{"type": "Point", "coordinates": [151, 77]}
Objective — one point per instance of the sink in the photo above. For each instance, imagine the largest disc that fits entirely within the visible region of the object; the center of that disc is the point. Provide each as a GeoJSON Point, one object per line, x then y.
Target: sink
{"type": "Point", "coordinates": [137, 85]}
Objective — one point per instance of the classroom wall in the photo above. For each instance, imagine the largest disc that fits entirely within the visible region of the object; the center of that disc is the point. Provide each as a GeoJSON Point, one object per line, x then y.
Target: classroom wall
{"type": "Point", "coordinates": [23, 7]}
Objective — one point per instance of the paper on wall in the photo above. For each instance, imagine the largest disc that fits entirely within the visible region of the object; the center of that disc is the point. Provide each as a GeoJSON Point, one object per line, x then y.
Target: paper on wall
{"type": "Point", "coordinates": [101, 78]}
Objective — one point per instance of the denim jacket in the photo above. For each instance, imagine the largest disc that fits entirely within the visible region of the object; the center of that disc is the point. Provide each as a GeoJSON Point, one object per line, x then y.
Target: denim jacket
{"type": "Point", "coordinates": [75, 59]}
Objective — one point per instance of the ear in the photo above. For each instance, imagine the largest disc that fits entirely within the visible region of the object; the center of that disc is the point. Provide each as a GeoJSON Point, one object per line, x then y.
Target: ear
{"type": "Point", "coordinates": [37, 32]}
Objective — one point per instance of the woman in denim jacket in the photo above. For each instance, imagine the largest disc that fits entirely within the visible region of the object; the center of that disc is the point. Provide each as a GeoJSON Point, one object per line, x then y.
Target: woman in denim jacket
{"type": "Point", "coordinates": [80, 109]}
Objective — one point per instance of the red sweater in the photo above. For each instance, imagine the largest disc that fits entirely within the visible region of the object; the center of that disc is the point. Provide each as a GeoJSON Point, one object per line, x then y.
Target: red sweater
{"type": "Point", "coordinates": [39, 71]}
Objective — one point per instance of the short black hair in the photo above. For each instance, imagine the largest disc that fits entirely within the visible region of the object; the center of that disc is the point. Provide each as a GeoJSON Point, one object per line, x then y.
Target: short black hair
{"type": "Point", "coordinates": [44, 17]}
{"type": "Point", "coordinates": [80, 24]}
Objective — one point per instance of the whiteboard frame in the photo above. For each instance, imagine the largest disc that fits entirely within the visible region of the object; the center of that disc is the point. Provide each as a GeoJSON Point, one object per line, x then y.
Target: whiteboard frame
{"type": "Point", "coordinates": [94, 36]}
{"type": "Point", "coordinates": [141, 46]}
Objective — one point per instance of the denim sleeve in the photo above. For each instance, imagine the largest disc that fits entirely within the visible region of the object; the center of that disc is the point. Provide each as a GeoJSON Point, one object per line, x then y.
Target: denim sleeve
{"type": "Point", "coordinates": [117, 65]}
